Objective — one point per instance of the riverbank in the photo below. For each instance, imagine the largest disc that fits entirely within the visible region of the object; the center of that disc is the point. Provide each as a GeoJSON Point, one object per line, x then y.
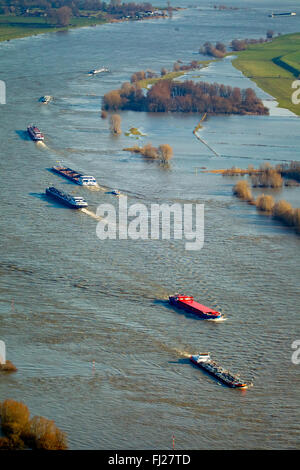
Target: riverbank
{"type": "Point", "coordinates": [273, 66]}
{"type": "Point", "coordinates": [14, 27]}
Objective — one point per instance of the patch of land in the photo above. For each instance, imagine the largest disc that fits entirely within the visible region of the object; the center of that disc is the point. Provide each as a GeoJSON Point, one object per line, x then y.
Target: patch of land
{"type": "Point", "coordinates": [13, 27]}
{"type": "Point", "coordinates": [273, 66]}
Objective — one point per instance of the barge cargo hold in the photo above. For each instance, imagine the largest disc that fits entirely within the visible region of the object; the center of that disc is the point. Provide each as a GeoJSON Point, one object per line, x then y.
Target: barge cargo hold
{"type": "Point", "coordinates": [187, 303]}
{"type": "Point", "coordinates": [290, 13]}
{"type": "Point", "coordinates": [204, 361]}
{"type": "Point", "coordinates": [74, 176]}
{"type": "Point", "coordinates": [35, 133]}
{"type": "Point", "coordinates": [75, 202]}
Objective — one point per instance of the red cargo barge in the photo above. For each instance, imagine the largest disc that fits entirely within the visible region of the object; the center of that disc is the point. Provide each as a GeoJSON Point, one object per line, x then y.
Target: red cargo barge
{"type": "Point", "coordinates": [187, 303]}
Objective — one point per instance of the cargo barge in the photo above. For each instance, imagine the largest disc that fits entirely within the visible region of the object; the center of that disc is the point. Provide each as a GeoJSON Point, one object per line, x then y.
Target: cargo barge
{"type": "Point", "coordinates": [75, 202]}
{"type": "Point", "coordinates": [74, 176]}
{"type": "Point", "coordinates": [203, 361]}
{"type": "Point", "coordinates": [95, 71]}
{"type": "Point", "coordinates": [289, 13]}
{"type": "Point", "coordinates": [35, 133]}
{"type": "Point", "coordinates": [187, 303]}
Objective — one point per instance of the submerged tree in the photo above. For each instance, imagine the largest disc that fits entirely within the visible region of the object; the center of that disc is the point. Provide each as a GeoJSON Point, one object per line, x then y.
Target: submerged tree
{"type": "Point", "coordinates": [115, 124]}
{"type": "Point", "coordinates": [165, 152]}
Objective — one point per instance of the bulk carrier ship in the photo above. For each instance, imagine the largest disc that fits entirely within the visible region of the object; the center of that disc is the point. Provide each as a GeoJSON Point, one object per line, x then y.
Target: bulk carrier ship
{"type": "Point", "coordinates": [204, 361]}
{"type": "Point", "coordinates": [187, 303]}
{"type": "Point", "coordinates": [74, 176]}
{"type": "Point", "coordinates": [75, 202]}
{"type": "Point", "coordinates": [35, 133]}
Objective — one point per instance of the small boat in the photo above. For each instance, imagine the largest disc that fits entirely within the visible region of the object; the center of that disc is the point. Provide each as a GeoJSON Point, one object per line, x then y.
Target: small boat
{"type": "Point", "coordinates": [75, 202]}
{"type": "Point", "coordinates": [187, 303]}
{"type": "Point", "coordinates": [116, 192]}
{"type": "Point", "coordinates": [46, 99]}
{"type": "Point", "coordinates": [95, 71]}
{"type": "Point", "coordinates": [74, 176]}
{"type": "Point", "coordinates": [35, 133]}
{"type": "Point", "coordinates": [289, 13]}
{"type": "Point", "coordinates": [204, 361]}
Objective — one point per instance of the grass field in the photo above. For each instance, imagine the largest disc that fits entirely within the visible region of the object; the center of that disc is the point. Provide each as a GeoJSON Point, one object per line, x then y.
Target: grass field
{"type": "Point", "coordinates": [273, 66]}
{"type": "Point", "coordinates": [12, 27]}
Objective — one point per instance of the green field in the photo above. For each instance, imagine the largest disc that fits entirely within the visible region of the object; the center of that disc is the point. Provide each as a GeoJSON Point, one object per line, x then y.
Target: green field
{"type": "Point", "coordinates": [273, 66]}
{"type": "Point", "coordinates": [12, 27]}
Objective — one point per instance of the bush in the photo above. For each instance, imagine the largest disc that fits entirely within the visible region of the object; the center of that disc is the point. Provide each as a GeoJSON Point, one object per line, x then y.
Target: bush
{"type": "Point", "coordinates": [149, 151]}
{"type": "Point", "coordinates": [14, 417]}
{"type": "Point", "coordinates": [242, 190]}
{"type": "Point", "coordinates": [284, 211]}
{"type": "Point", "coordinates": [297, 220]}
{"type": "Point", "coordinates": [42, 433]}
{"type": "Point", "coordinates": [265, 203]}
{"type": "Point", "coordinates": [21, 432]}
{"type": "Point", "coordinates": [165, 152]}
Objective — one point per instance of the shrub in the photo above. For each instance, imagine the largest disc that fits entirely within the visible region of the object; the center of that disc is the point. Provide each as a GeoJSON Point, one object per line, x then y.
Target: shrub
{"type": "Point", "coordinates": [297, 220]}
{"type": "Point", "coordinates": [284, 211]}
{"type": "Point", "coordinates": [42, 433]}
{"type": "Point", "coordinates": [14, 417]}
{"type": "Point", "coordinates": [149, 151]}
{"type": "Point", "coordinates": [265, 203]}
{"type": "Point", "coordinates": [242, 190]}
{"type": "Point", "coordinates": [165, 152]}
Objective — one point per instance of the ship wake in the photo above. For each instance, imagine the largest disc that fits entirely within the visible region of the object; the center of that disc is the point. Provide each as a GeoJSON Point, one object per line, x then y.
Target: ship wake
{"type": "Point", "coordinates": [90, 213]}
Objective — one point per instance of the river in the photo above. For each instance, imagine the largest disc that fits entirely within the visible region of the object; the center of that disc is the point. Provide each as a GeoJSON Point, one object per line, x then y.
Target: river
{"type": "Point", "coordinates": [68, 299]}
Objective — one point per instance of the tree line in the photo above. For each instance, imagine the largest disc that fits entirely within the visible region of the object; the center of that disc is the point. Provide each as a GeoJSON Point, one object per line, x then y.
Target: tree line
{"type": "Point", "coordinates": [23, 432]}
{"type": "Point", "coordinates": [219, 50]}
{"type": "Point", "coordinates": [171, 96]}
{"type": "Point", "coordinates": [280, 210]}
{"type": "Point", "coordinates": [49, 8]}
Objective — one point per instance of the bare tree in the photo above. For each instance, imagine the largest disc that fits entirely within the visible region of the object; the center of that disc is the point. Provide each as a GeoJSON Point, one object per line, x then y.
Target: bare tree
{"type": "Point", "coordinates": [115, 124]}
{"type": "Point", "coordinates": [165, 152]}
{"type": "Point", "coordinates": [63, 15]}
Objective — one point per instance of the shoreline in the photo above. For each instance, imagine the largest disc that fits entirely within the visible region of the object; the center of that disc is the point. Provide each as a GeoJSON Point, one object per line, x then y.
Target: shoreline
{"type": "Point", "coordinates": [268, 66]}
{"type": "Point", "coordinates": [17, 25]}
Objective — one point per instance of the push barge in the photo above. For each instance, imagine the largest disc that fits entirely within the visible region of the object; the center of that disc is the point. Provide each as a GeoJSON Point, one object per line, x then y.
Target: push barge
{"type": "Point", "coordinates": [74, 176]}
{"type": "Point", "coordinates": [204, 361]}
{"type": "Point", "coordinates": [75, 202]}
{"type": "Point", "coordinates": [187, 303]}
{"type": "Point", "coordinates": [35, 133]}
{"type": "Point", "coordinates": [95, 71]}
{"type": "Point", "coordinates": [289, 13]}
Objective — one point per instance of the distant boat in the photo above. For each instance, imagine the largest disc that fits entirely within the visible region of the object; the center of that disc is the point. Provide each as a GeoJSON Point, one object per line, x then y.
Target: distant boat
{"type": "Point", "coordinates": [290, 13]}
{"type": "Point", "coordinates": [204, 361]}
{"type": "Point", "coordinates": [75, 202]}
{"type": "Point", "coordinates": [45, 99]}
{"type": "Point", "coordinates": [187, 303]}
{"type": "Point", "coordinates": [35, 133]}
{"type": "Point", "coordinates": [116, 192]}
{"type": "Point", "coordinates": [75, 176]}
{"type": "Point", "coordinates": [95, 71]}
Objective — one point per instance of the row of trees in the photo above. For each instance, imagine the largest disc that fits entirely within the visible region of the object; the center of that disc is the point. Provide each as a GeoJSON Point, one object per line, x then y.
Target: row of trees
{"type": "Point", "coordinates": [281, 210]}
{"type": "Point", "coordinates": [219, 50]}
{"type": "Point", "coordinates": [170, 96]}
{"type": "Point", "coordinates": [21, 431]}
{"type": "Point", "coordinates": [267, 176]}
{"type": "Point", "coordinates": [76, 7]}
